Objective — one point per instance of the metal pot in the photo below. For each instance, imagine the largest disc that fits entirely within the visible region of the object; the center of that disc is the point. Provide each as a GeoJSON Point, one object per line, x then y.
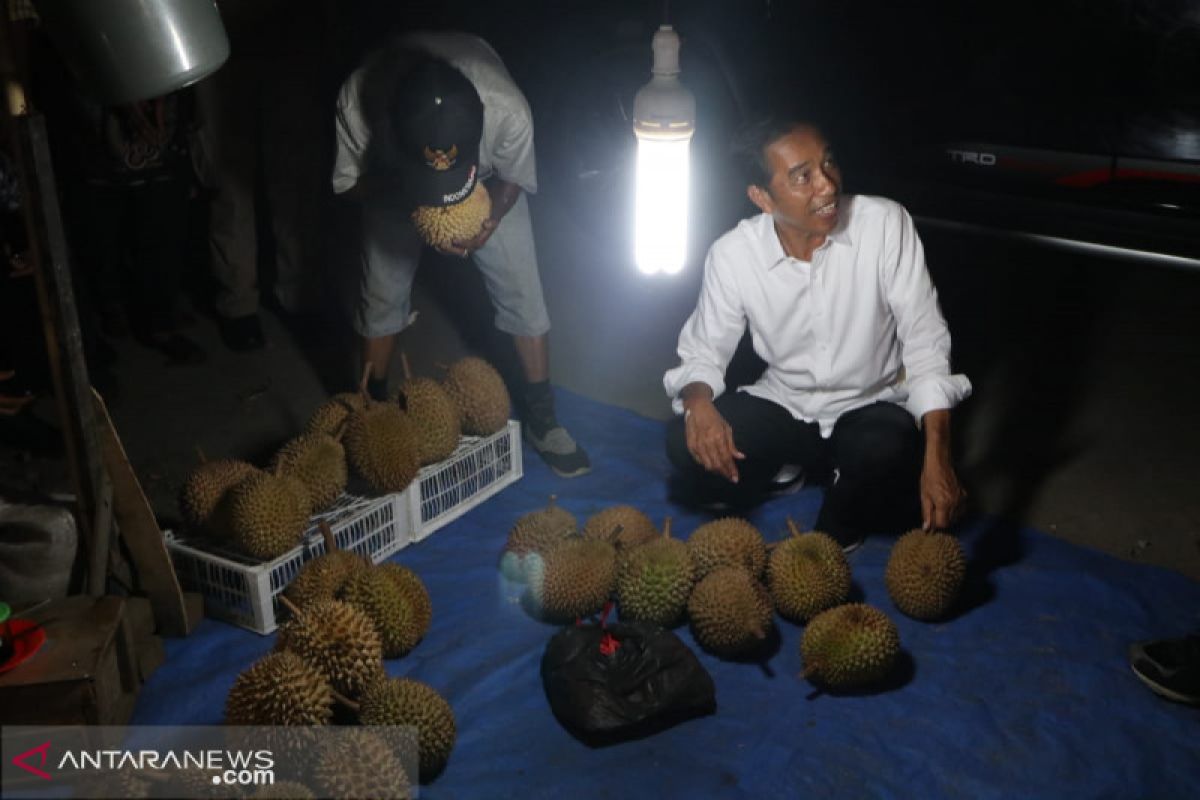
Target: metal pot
{"type": "Point", "coordinates": [127, 50]}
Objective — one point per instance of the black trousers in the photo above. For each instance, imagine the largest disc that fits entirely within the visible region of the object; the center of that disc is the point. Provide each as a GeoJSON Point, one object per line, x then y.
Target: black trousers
{"type": "Point", "coordinates": [870, 465]}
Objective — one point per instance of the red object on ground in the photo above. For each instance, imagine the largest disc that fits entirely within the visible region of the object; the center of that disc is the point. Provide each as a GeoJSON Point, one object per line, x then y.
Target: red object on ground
{"type": "Point", "coordinates": [26, 637]}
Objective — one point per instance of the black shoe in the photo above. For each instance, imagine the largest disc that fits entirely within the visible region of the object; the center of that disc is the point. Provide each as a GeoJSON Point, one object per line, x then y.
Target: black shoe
{"type": "Point", "coordinates": [242, 334]}
{"type": "Point", "coordinates": [1170, 667]}
{"type": "Point", "coordinates": [560, 451]}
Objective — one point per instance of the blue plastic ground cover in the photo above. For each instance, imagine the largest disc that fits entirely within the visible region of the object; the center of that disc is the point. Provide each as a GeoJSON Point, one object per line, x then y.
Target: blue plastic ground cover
{"type": "Point", "coordinates": [1025, 692]}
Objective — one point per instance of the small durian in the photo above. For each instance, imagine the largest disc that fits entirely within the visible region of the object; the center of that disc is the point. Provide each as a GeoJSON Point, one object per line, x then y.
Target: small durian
{"type": "Point", "coordinates": [849, 646]}
{"type": "Point", "coordinates": [319, 462]}
{"type": "Point", "coordinates": [332, 415]}
{"type": "Point", "coordinates": [925, 573]}
{"type": "Point", "coordinates": [206, 486]}
{"type": "Point", "coordinates": [573, 580]}
{"type": "Point", "coordinates": [413, 589]}
{"type": "Point", "coordinates": [807, 574]}
{"type": "Point", "coordinates": [480, 395]}
{"type": "Point", "coordinates": [324, 576]}
{"type": "Point", "coordinates": [636, 527]}
{"type": "Point", "coordinates": [655, 580]}
{"type": "Point", "coordinates": [534, 535]}
{"type": "Point", "coordinates": [433, 413]}
{"type": "Point", "coordinates": [268, 514]}
{"type": "Point", "coordinates": [280, 689]}
{"type": "Point", "coordinates": [358, 763]}
{"type": "Point", "coordinates": [339, 640]}
{"type": "Point", "coordinates": [730, 612]}
{"type": "Point", "coordinates": [441, 226]}
{"type": "Point", "coordinates": [728, 542]}
{"type": "Point", "coordinates": [402, 701]}
{"type": "Point", "coordinates": [396, 616]}
{"type": "Point", "coordinates": [381, 444]}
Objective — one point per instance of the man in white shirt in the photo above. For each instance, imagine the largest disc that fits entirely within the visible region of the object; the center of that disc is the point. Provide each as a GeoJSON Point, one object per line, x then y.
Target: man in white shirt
{"type": "Point", "coordinates": [857, 389]}
{"type": "Point", "coordinates": [419, 124]}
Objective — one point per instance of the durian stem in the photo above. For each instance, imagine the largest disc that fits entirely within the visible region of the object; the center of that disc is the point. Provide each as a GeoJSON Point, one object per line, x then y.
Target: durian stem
{"type": "Point", "coordinates": [793, 527]}
{"type": "Point", "coordinates": [667, 528]}
{"type": "Point", "coordinates": [404, 366]}
{"type": "Point", "coordinates": [550, 503]}
{"type": "Point", "coordinates": [327, 535]}
{"type": "Point", "coordinates": [346, 701]}
{"type": "Point", "coordinates": [200, 454]}
{"type": "Point", "coordinates": [289, 605]}
{"type": "Point", "coordinates": [617, 530]}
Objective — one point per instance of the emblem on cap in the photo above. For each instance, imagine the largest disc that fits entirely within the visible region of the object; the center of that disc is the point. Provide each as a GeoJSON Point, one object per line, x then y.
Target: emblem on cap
{"type": "Point", "coordinates": [441, 160]}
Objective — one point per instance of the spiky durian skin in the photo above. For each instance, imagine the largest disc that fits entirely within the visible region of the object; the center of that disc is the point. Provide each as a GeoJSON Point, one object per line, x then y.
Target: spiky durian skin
{"type": "Point", "coordinates": [654, 581]}
{"type": "Point", "coordinates": [925, 573]}
{"type": "Point", "coordinates": [284, 790]}
{"type": "Point", "coordinates": [337, 639]}
{"type": "Point", "coordinates": [319, 462]}
{"type": "Point", "coordinates": [268, 514]}
{"type": "Point", "coordinates": [413, 589]}
{"type": "Point", "coordinates": [728, 542]}
{"type": "Point", "coordinates": [324, 576]}
{"type": "Point", "coordinates": [849, 646]}
{"type": "Point", "coordinates": [280, 689]}
{"type": "Point", "coordinates": [573, 580]}
{"type": "Point", "coordinates": [395, 616]}
{"type": "Point", "coordinates": [636, 527]}
{"type": "Point", "coordinates": [331, 416]}
{"type": "Point", "coordinates": [441, 226]}
{"type": "Point", "coordinates": [206, 486]}
{"type": "Point", "coordinates": [730, 612]}
{"type": "Point", "coordinates": [536, 533]}
{"type": "Point", "coordinates": [402, 701]}
{"type": "Point", "coordinates": [382, 445]}
{"type": "Point", "coordinates": [435, 417]}
{"type": "Point", "coordinates": [807, 574]}
{"type": "Point", "coordinates": [480, 395]}
{"type": "Point", "coordinates": [358, 763]}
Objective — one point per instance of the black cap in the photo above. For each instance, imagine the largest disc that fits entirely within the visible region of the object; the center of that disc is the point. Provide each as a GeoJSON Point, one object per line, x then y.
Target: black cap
{"type": "Point", "coordinates": [437, 117]}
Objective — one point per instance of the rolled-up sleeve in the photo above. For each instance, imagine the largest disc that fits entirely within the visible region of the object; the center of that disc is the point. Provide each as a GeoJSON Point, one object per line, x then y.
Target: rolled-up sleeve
{"type": "Point", "coordinates": [352, 135]}
{"type": "Point", "coordinates": [512, 155]}
{"type": "Point", "coordinates": [711, 334]}
{"type": "Point", "coordinates": [920, 327]}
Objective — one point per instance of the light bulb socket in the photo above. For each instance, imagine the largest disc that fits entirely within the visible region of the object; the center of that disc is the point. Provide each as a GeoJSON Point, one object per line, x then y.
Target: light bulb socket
{"type": "Point", "coordinates": [663, 108]}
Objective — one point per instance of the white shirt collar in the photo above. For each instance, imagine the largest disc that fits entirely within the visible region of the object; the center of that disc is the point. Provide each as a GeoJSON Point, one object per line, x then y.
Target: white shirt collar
{"type": "Point", "coordinates": [840, 235]}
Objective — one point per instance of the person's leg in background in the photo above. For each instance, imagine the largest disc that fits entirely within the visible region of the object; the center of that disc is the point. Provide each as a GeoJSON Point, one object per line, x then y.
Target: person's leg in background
{"type": "Point", "coordinates": [508, 263]}
{"type": "Point", "coordinates": [390, 256]}
{"type": "Point", "coordinates": [875, 457]}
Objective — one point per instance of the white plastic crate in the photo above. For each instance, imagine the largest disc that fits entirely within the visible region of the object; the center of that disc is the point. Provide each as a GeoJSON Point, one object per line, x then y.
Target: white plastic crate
{"type": "Point", "coordinates": [478, 468]}
{"type": "Point", "coordinates": [241, 590]}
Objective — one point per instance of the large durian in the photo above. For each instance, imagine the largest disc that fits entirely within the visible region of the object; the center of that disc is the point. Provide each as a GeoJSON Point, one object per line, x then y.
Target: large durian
{"type": "Point", "coordinates": [730, 612]}
{"type": "Point", "coordinates": [925, 573]}
{"type": "Point", "coordinates": [357, 763]}
{"type": "Point", "coordinates": [849, 646]}
{"type": "Point", "coordinates": [324, 576]}
{"type": "Point", "coordinates": [332, 415]}
{"type": "Point", "coordinates": [381, 443]}
{"type": "Point", "coordinates": [433, 413]}
{"type": "Point", "coordinates": [534, 535]}
{"type": "Point", "coordinates": [339, 640]}
{"type": "Point", "coordinates": [280, 689]}
{"type": "Point", "coordinates": [573, 580]}
{"type": "Point", "coordinates": [655, 579]}
{"type": "Point", "coordinates": [636, 527]}
{"type": "Point", "coordinates": [413, 589]}
{"type": "Point", "coordinates": [268, 514]}
{"type": "Point", "coordinates": [480, 395]}
{"type": "Point", "coordinates": [441, 226]}
{"type": "Point", "coordinates": [399, 620]}
{"type": "Point", "coordinates": [319, 461]}
{"type": "Point", "coordinates": [807, 574]}
{"type": "Point", "coordinates": [728, 542]}
{"type": "Point", "coordinates": [206, 486]}
{"type": "Point", "coordinates": [402, 701]}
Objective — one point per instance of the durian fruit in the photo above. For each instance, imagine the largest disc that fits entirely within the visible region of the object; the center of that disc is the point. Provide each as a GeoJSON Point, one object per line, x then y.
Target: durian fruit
{"type": "Point", "coordinates": [413, 589]}
{"type": "Point", "coordinates": [655, 580]}
{"type": "Point", "coordinates": [480, 395]}
{"type": "Point", "coordinates": [195, 782]}
{"type": "Point", "coordinates": [268, 514]}
{"type": "Point", "coordinates": [381, 443]}
{"type": "Point", "coordinates": [339, 640]}
{"type": "Point", "coordinates": [573, 580]}
{"type": "Point", "coordinates": [636, 527]}
{"type": "Point", "coordinates": [396, 616]}
{"type": "Point", "coordinates": [280, 689]}
{"type": "Point", "coordinates": [534, 535]}
{"type": "Point", "coordinates": [324, 576]}
{"type": "Point", "coordinates": [730, 612]}
{"type": "Point", "coordinates": [358, 763]}
{"type": "Point", "coordinates": [925, 573]}
{"type": "Point", "coordinates": [284, 790]}
{"type": "Point", "coordinates": [807, 574]}
{"type": "Point", "coordinates": [125, 783]}
{"type": "Point", "coordinates": [332, 415]}
{"type": "Point", "coordinates": [319, 461]}
{"type": "Point", "coordinates": [432, 412]}
{"type": "Point", "coordinates": [441, 226]}
{"type": "Point", "coordinates": [206, 486]}
{"type": "Point", "coordinates": [728, 542]}
{"type": "Point", "coordinates": [849, 646]}
{"type": "Point", "coordinates": [402, 701]}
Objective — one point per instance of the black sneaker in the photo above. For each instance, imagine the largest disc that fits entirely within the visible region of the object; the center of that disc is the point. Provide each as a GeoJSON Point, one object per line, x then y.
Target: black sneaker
{"type": "Point", "coordinates": [560, 451]}
{"type": "Point", "coordinates": [1170, 667]}
{"type": "Point", "coordinates": [242, 334]}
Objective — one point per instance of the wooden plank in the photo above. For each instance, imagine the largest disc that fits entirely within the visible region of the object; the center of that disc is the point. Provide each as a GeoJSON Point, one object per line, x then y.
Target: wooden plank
{"type": "Point", "coordinates": [141, 533]}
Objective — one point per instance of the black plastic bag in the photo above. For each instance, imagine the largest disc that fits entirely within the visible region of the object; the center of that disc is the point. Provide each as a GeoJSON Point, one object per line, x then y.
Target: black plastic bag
{"type": "Point", "coordinates": [624, 681]}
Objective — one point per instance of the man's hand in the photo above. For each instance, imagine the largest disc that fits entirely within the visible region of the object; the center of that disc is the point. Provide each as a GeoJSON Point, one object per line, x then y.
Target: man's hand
{"type": "Point", "coordinates": [941, 494]}
{"type": "Point", "coordinates": [465, 247]}
{"type": "Point", "coordinates": [710, 439]}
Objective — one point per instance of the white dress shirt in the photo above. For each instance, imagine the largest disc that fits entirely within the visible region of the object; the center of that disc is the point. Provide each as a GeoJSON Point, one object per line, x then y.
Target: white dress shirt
{"type": "Point", "coordinates": [506, 147]}
{"type": "Point", "coordinates": [858, 324]}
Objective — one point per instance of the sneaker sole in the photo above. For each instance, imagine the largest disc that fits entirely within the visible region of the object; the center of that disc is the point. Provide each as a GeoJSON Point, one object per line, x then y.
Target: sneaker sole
{"type": "Point", "coordinates": [1163, 691]}
{"type": "Point", "coordinates": [850, 548]}
{"type": "Point", "coordinates": [575, 474]}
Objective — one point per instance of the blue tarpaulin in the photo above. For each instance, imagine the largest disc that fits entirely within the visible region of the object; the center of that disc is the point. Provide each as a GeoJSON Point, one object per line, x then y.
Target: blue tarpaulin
{"type": "Point", "coordinates": [1025, 691]}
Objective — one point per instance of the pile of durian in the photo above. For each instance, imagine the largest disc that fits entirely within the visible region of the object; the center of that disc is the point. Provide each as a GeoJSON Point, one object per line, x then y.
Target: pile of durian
{"type": "Point", "coordinates": [728, 584]}
{"type": "Point", "coordinates": [264, 513]}
{"type": "Point", "coordinates": [347, 616]}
